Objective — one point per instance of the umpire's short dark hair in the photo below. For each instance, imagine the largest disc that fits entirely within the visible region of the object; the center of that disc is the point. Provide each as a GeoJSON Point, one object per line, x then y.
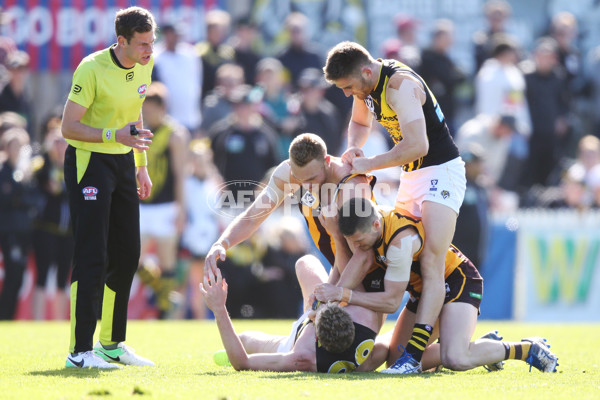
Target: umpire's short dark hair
{"type": "Point", "coordinates": [133, 19]}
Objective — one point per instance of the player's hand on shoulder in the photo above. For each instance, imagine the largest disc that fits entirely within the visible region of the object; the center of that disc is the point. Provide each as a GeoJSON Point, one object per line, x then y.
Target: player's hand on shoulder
{"type": "Point", "coordinates": [140, 140]}
{"type": "Point", "coordinates": [351, 153]}
{"type": "Point", "coordinates": [361, 165]}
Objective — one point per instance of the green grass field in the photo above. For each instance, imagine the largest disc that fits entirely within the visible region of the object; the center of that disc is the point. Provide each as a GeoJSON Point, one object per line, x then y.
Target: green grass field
{"type": "Point", "coordinates": [32, 357]}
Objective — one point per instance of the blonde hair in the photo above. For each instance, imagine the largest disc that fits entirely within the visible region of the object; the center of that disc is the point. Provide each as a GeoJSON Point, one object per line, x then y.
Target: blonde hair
{"type": "Point", "coordinates": [307, 147]}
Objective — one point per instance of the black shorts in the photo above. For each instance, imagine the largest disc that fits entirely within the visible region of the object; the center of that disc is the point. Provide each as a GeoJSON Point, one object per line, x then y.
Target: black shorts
{"type": "Point", "coordinates": [463, 285]}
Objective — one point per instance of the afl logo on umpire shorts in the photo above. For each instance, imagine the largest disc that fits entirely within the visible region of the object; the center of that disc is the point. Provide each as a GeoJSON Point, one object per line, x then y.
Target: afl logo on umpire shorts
{"type": "Point", "coordinates": [89, 193]}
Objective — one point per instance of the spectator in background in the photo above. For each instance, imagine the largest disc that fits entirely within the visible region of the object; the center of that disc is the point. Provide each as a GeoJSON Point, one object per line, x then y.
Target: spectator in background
{"type": "Point", "coordinates": [504, 166]}
{"type": "Point", "coordinates": [18, 204]}
{"type": "Point", "coordinates": [588, 157]}
{"type": "Point", "coordinates": [281, 295]}
{"type": "Point", "coordinates": [440, 72]}
{"type": "Point", "coordinates": [497, 13]}
{"type": "Point", "coordinates": [500, 85]}
{"type": "Point", "coordinates": [178, 66]}
{"type": "Point", "coordinates": [244, 42]}
{"type": "Point", "coordinates": [214, 51]}
{"type": "Point", "coordinates": [547, 99]}
{"type": "Point", "coordinates": [52, 237]}
{"type": "Point", "coordinates": [270, 77]}
{"type": "Point", "coordinates": [409, 52]}
{"type": "Point", "coordinates": [202, 225]}
{"type": "Point", "coordinates": [300, 54]}
{"type": "Point", "coordinates": [472, 223]}
{"type": "Point", "coordinates": [217, 105]}
{"type": "Point", "coordinates": [246, 145]}
{"type": "Point", "coordinates": [162, 214]}
{"type": "Point", "coordinates": [564, 30]}
{"type": "Point", "coordinates": [14, 95]}
{"type": "Point", "coordinates": [316, 114]}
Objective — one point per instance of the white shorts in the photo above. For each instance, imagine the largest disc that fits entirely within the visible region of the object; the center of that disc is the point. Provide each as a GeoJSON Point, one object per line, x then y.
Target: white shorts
{"type": "Point", "coordinates": [287, 346]}
{"type": "Point", "coordinates": [158, 220]}
{"type": "Point", "coordinates": [444, 184]}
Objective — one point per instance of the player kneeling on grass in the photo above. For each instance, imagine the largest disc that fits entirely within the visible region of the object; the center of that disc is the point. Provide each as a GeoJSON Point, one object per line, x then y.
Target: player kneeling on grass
{"type": "Point", "coordinates": [397, 241]}
{"type": "Point", "coordinates": [339, 339]}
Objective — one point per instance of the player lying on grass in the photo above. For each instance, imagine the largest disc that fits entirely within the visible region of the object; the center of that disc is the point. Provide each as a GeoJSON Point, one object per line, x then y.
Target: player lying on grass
{"type": "Point", "coordinates": [397, 242]}
{"type": "Point", "coordinates": [331, 339]}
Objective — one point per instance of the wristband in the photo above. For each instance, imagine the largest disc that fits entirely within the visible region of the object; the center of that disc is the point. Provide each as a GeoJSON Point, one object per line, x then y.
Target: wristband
{"type": "Point", "coordinates": [141, 160]}
{"type": "Point", "coordinates": [346, 296]}
{"type": "Point", "coordinates": [109, 135]}
{"type": "Point", "coordinates": [224, 241]}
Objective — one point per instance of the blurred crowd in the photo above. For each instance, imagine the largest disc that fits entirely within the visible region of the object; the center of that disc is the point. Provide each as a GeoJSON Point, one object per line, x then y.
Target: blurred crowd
{"type": "Point", "coordinates": [525, 121]}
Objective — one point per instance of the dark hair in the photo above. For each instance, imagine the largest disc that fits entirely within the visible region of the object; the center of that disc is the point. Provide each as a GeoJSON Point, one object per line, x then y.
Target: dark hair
{"type": "Point", "coordinates": [133, 19]}
{"type": "Point", "coordinates": [356, 214]}
{"type": "Point", "coordinates": [334, 328]}
{"type": "Point", "coordinates": [344, 59]}
{"type": "Point", "coordinates": [307, 147]}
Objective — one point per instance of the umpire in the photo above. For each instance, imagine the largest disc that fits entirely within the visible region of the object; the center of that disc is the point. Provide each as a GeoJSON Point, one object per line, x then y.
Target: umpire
{"type": "Point", "coordinates": [100, 122]}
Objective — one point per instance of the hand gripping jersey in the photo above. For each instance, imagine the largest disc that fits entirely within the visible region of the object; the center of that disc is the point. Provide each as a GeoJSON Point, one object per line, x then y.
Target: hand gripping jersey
{"type": "Point", "coordinates": [441, 145]}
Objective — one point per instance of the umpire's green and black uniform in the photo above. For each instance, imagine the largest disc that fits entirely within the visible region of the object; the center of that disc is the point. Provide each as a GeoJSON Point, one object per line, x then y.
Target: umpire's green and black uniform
{"type": "Point", "coordinates": [101, 182]}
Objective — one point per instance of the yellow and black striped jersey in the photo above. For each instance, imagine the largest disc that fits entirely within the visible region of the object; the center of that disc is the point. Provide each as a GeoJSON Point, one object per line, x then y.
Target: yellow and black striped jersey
{"type": "Point", "coordinates": [441, 145]}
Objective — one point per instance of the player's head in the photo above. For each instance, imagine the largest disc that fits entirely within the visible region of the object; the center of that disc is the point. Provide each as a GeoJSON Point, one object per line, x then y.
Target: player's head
{"type": "Point", "coordinates": [308, 155]}
{"type": "Point", "coordinates": [359, 222]}
{"type": "Point", "coordinates": [349, 67]}
{"type": "Point", "coordinates": [135, 27]}
{"type": "Point", "coordinates": [334, 328]}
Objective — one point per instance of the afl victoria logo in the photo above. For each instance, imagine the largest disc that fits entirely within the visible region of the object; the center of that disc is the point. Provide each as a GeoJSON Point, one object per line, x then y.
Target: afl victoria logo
{"type": "Point", "coordinates": [89, 193]}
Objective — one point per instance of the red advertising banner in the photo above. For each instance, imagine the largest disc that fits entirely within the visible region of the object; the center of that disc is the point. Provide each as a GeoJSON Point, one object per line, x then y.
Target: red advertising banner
{"type": "Point", "coordinates": [57, 34]}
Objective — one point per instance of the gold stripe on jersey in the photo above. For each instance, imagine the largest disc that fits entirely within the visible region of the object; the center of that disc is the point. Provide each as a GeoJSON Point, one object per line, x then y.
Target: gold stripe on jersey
{"type": "Point", "coordinates": [318, 233]}
{"type": "Point", "coordinates": [462, 286]}
{"type": "Point", "coordinates": [112, 95]}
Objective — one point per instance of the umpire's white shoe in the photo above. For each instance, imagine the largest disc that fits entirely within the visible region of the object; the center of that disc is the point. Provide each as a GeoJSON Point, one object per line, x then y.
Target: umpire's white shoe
{"type": "Point", "coordinates": [88, 359]}
{"type": "Point", "coordinates": [122, 354]}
